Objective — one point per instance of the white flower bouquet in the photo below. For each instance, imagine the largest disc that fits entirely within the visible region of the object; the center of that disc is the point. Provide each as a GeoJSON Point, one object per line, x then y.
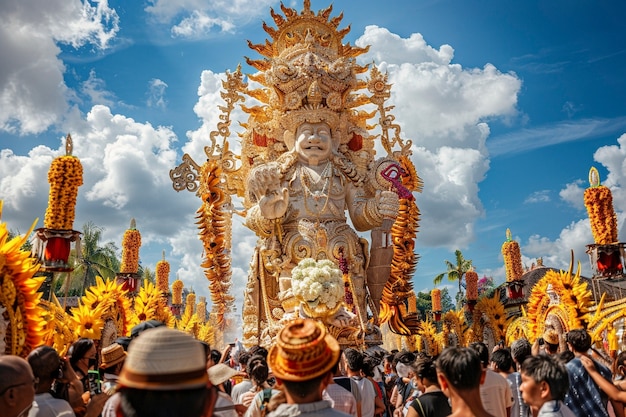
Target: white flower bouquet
{"type": "Point", "coordinates": [318, 285]}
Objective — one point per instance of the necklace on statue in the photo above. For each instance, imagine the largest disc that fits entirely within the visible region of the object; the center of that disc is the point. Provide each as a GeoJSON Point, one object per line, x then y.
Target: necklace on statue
{"type": "Point", "coordinates": [313, 190]}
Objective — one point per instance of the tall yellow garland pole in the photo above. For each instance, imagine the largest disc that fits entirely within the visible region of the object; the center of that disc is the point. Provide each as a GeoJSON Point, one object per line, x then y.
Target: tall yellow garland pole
{"type": "Point", "coordinates": [52, 243]}
{"type": "Point", "coordinates": [513, 267]}
{"type": "Point", "coordinates": [129, 269]}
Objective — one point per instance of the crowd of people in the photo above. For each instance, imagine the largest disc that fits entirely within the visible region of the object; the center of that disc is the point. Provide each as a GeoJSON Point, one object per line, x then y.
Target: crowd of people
{"type": "Point", "coordinates": [163, 372]}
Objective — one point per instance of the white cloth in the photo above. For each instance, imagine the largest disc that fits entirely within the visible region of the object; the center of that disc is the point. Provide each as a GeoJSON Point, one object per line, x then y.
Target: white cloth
{"type": "Point", "coordinates": [555, 409]}
{"type": "Point", "coordinates": [368, 396]}
{"type": "Point", "coordinates": [224, 406]}
{"type": "Point", "coordinates": [239, 389]}
{"type": "Point", "coordinates": [45, 405]}
{"type": "Point", "coordinates": [495, 394]}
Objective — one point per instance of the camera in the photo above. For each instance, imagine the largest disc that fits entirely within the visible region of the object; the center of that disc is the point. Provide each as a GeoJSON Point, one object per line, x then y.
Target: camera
{"type": "Point", "coordinates": [95, 385]}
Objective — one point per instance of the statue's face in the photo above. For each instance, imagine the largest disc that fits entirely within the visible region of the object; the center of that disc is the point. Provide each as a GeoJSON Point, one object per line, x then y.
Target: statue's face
{"type": "Point", "coordinates": [314, 143]}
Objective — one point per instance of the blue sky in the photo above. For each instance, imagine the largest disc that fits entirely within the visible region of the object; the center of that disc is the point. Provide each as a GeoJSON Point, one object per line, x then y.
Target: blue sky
{"type": "Point", "coordinates": [508, 104]}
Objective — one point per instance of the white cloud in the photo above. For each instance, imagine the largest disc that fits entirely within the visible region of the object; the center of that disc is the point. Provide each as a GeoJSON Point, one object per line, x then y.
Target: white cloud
{"type": "Point", "coordinates": [197, 18]}
{"type": "Point", "coordinates": [573, 194]}
{"type": "Point", "coordinates": [156, 93]}
{"type": "Point", "coordinates": [444, 109]}
{"type": "Point", "coordinates": [542, 196]}
{"type": "Point", "coordinates": [95, 89]}
{"type": "Point", "coordinates": [199, 24]}
{"type": "Point", "coordinates": [33, 94]}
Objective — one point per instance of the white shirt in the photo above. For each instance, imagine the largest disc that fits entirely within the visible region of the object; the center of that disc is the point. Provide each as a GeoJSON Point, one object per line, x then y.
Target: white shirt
{"type": "Point", "coordinates": [368, 396]}
{"type": "Point", "coordinates": [495, 394]}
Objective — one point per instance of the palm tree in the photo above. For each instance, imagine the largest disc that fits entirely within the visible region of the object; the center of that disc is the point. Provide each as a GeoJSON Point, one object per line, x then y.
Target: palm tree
{"type": "Point", "coordinates": [96, 260]}
{"type": "Point", "coordinates": [456, 273]}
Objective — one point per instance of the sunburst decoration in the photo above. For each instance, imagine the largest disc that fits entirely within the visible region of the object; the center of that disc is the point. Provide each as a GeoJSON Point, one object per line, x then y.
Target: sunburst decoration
{"type": "Point", "coordinates": [574, 300]}
{"type": "Point", "coordinates": [58, 326]}
{"type": "Point", "coordinates": [110, 297]}
{"type": "Point", "coordinates": [433, 340]}
{"type": "Point", "coordinates": [454, 324]}
{"type": "Point", "coordinates": [88, 322]}
{"type": "Point", "coordinates": [493, 311]}
{"type": "Point", "coordinates": [21, 329]}
{"type": "Point", "coordinates": [150, 305]}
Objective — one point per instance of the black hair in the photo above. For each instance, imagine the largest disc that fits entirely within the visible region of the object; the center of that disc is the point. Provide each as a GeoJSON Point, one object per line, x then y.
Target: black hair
{"type": "Point", "coordinates": [369, 364]}
{"type": "Point", "coordinates": [546, 368]}
{"type": "Point", "coordinates": [44, 362]}
{"type": "Point", "coordinates": [425, 368]}
{"type": "Point", "coordinates": [354, 359]}
{"type": "Point", "coordinates": [151, 403]}
{"type": "Point", "coordinates": [461, 366]}
{"type": "Point", "coordinates": [483, 352]}
{"type": "Point", "coordinates": [579, 339]}
{"type": "Point", "coordinates": [257, 369]}
{"type": "Point", "coordinates": [258, 350]}
{"type": "Point", "coordinates": [243, 357]}
{"type": "Point", "coordinates": [216, 355]}
{"type": "Point", "coordinates": [78, 350]}
{"type": "Point", "coordinates": [303, 388]}
{"type": "Point", "coordinates": [503, 360]}
{"type": "Point", "coordinates": [565, 356]}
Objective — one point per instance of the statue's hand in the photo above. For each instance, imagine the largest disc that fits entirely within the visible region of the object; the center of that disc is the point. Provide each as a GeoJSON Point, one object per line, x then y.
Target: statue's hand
{"type": "Point", "coordinates": [342, 318]}
{"type": "Point", "coordinates": [388, 204]}
{"type": "Point", "coordinates": [273, 204]}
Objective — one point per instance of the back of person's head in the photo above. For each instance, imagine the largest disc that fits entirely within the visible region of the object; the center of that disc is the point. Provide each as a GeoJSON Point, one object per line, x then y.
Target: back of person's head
{"type": "Point", "coordinates": [164, 373]}
{"type": "Point", "coordinates": [257, 369]}
{"type": "Point", "coordinates": [461, 367]}
{"type": "Point", "coordinates": [45, 363]}
{"type": "Point", "coordinates": [258, 350]}
{"type": "Point", "coordinates": [502, 359]}
{"type": "Point", "coordinates": [243, 356]}
{"type": "Point", "coordinates": [424, 367]}
{"type": "Point", "coordinates": [579, 339]}
{"type": "Point", "coordinates": [520, 350]}
{"type": "Point", "coordinates": [483, 352]}
{"type": "Point", "coordinates": [369, 365]}
{"type": "Point", "coordinates": [546, 368]}
{"type": "Point", "coordinates": [215, 356]}
{"type": "Point", "coordinates": [354, 359]}
{"type": "Point", "coordinates": [405, 357]}
{"type": "Point", "coordinates": [565, 356]}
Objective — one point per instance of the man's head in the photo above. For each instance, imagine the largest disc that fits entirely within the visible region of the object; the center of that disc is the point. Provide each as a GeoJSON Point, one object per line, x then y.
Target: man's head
{"type": "Point", "coordinates": [544, 379]}
{"type": "Point", "coordinates": [579, 340]}
{"type": "Point", "coordinates": [520, 350]}
{"type": "Point", "coordinates": [459, 368]}
{"type": "Point", "coordinates": [502, 361]}
{"type": "Point", "coordinates": [483, 352]}
{"type": "Point", "coordinates": [165, 369]}
{"type": "Point", "coordinates": [17, 386]}
{"type": "Point", "coordinates": [425, 372]}
{"type": "Point", "coordinates": [46, 365]}
{"type": "Point", "coordinates": [353, 359]}
{"type": "Point", "coordinates": [303, 358]}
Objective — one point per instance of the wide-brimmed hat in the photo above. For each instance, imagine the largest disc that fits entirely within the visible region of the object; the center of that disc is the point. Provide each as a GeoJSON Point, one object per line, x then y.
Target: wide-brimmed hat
{"type": "Point", "coordinates": [303, 350]}
{"type": "Point", "coordinates": [551, 336]}
{"type": "Point", "coordinates": [220, 373]}
{"type": "Point", "coordinates": [112, 355]}
{"type": "Point", "coordinates": [164, 359]}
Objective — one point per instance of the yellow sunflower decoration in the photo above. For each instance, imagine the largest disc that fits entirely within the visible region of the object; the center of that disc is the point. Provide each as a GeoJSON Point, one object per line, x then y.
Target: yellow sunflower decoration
{"type": "Point", "coordinates": [150, 305]}
{"type": "Point", "coordinates": [58, 329]}
{"type": "Point", "coordinates": [21, 328]}
{"type": "Point", "coordinates": [88, 322]}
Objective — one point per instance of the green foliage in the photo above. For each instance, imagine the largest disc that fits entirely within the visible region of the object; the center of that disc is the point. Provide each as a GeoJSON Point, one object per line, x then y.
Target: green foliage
{"type": "Point", "coordinates": [456, 272]}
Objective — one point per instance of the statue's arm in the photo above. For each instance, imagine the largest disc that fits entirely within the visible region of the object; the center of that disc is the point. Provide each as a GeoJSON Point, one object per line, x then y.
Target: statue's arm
{"type": "Point", "coordinates": [368, 213]}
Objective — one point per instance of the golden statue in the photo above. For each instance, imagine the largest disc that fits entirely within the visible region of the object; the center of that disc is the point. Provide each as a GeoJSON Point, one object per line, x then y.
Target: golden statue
{"type": "Point", "coordinates": [308, 177]}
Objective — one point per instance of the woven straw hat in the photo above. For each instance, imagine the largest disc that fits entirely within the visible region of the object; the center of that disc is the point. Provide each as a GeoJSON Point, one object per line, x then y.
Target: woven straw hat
{"type": "Point", "coordinates": [112, 355]}
{"type": "Point", "coordinates": [220, 373]}
{"type": "Point", "coordinates": [303, 351]}
{"type": "Point", "coordinates": [551, 337]}
{"type": "Point", "coordinates": [164, 359]}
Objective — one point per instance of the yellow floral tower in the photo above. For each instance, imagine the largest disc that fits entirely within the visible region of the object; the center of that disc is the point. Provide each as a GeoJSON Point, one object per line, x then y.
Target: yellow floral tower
{"type": "Point", "coordinates": [606, 254]}
{"type": "Point", "coordinates": [129, 268]}
{"type": "Point", "coordinates": [52, 243]}
{"type": "Point", "coordinates": [513, 267]}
